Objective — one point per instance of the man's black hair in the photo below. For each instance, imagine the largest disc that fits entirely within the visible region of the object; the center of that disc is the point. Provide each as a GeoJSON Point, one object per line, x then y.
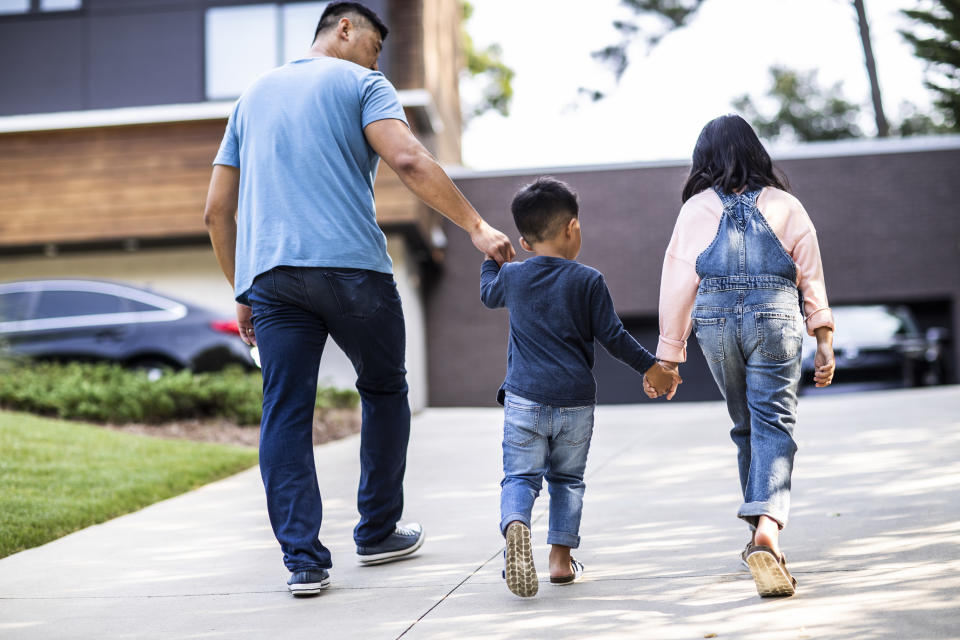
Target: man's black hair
{"type": "Point", "coordinates": [336, 10]}
{"type": "Point", "coordinates": [541, 208]}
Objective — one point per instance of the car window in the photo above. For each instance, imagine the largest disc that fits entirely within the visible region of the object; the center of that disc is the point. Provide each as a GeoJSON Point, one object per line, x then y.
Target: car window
{"type": "Point", "coordinates": [60, 304]}
{"type": "Point", "coordinates": [136, 305]}
{"type": "Point", "coordinates": [14, 306]}
{"type": "Point", "coordinates": [868, 324]}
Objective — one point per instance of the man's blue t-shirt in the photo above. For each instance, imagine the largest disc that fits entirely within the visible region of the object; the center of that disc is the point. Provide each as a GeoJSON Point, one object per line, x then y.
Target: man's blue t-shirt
{"type": "Point", "coordinates": [306, 169]}
{"type": "Point", "coordinates": [557, 309]}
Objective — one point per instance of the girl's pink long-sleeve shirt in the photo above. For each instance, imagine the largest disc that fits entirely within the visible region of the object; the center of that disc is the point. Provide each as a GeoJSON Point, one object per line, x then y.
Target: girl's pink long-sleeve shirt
{"type": "Point", "coordinates": [696, 228]}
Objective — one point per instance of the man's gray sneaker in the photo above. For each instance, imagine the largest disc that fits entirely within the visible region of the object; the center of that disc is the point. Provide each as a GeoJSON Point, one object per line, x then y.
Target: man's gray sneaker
{"type": "Point", "coordinates": [404, 540]}
{"type": "Point", "coordinates": [309, 582]}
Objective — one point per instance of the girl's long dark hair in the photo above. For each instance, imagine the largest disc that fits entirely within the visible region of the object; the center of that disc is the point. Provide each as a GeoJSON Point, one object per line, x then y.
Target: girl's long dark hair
{"type": "Point", "coordinates": [729, 155]}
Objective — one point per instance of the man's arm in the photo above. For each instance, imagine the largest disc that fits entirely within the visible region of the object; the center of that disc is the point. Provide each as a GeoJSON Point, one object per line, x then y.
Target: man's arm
{"type": "Point", "coordinates": [220, 217]}
{"type": "Point", "coordinates": [424, 176]}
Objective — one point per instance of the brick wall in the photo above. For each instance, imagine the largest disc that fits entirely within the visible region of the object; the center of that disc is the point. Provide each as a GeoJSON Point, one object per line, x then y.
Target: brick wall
{"type": "Point", "coordinates": [888, 226]}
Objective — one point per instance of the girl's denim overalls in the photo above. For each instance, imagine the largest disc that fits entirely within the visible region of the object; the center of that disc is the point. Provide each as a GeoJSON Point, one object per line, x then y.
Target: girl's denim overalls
{"type": "Point", "coordinates": [748, 322]}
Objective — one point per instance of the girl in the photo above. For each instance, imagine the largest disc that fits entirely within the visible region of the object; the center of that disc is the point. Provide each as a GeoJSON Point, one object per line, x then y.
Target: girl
{"type": "Point", "coordinates": [743, 272]}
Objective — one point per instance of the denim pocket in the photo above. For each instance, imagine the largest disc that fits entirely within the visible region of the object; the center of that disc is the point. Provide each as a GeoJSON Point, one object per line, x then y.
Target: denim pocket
{"type": "Point", "coordinates": [710, 336]}
{"type": "Point", "coordinates": [521, 418]}
{"type": "Point", "coordinates": [358, 292]}
{"type": "Point", "coordinates": [577, 425]}
{"type": "Point", "coordinates": [778, 335]}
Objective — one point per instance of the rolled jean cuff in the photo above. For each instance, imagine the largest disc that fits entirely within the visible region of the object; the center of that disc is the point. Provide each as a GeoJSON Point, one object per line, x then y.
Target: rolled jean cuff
{"type": "Point", "coordinates": [751, 512]}
{"type": "Point", "coordinates": [563, 538]}
{"type": "Point", "coordinates": [513, 517]}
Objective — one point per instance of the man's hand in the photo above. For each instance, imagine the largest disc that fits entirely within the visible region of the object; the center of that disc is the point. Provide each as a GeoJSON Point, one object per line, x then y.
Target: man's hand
{"type": "Point", "coordinates": [662, 378]}
{"type": "Point", "coordinates": [246, 325]}
{"type": "Point", "coordinates": [492, 243]}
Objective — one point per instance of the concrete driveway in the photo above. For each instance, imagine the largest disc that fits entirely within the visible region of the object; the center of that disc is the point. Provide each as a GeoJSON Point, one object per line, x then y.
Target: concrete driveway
{"type": "Point", "coordinates": [874, 541]}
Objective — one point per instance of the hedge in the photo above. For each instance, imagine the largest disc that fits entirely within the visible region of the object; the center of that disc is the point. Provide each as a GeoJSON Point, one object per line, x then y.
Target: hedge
{"type": "Point", "coordinates": [104, 392]}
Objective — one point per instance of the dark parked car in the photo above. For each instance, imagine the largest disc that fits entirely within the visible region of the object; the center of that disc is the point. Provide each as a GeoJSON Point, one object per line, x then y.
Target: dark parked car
{"type": "Point", "coordinates": [881, 346]}
{"type": "Point", "coordinates": [97, 320]}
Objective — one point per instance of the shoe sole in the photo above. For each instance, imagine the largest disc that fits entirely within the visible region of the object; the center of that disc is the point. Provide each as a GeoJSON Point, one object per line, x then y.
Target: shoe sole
{"type": "Point", "coordinates": [389, 556]}
{"type": "Point", "coordinates": [308, 589]}
{"type": "Point", "coordinates": [768, 575]}
{"type": "Point", "coordinates": [520, 573]}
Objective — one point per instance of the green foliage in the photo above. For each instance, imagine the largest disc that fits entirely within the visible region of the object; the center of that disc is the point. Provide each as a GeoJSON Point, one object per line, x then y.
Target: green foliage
{"type": "Point", "coordinates": [486, 66]}
{"type": "Point", "coordinates": [58, 477]}
{"type": "Point", "coordinates": [805, 110]}
{"type": "Point", "coordinates": [936, 39]}
{"type": "Point", "coordinates": [104, 392]}
{"type": "Point", "coordinates": [913, 122]}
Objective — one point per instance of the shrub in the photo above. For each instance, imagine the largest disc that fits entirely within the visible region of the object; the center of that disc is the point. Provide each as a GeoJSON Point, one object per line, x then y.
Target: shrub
{"type": "Point", "coordinates": [104, 392]}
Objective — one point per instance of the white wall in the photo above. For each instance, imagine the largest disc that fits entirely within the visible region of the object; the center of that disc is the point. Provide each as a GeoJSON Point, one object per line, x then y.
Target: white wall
{"type": "Point", "coordinates": [192, 275]}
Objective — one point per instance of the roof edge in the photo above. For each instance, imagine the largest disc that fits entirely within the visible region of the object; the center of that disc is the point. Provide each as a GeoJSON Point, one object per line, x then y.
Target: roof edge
{"type": "Point", "coordinates": [779, 153]}
{"type": "Point", "coordinates": [419, 99]}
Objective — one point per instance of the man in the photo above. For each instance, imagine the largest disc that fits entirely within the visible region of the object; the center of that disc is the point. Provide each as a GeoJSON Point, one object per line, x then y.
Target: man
{"type": "Point", "coordinates": [290, 211]}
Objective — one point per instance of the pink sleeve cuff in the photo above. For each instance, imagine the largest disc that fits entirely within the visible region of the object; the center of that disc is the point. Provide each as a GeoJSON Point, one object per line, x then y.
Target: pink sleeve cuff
{"type": "Point", "coordinates": [819, 318]}
{"type": "Point", "coordinates": [672, 350]}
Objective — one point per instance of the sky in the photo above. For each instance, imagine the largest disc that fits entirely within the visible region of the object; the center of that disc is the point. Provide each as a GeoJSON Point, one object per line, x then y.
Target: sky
{"type": "Point", "coordinates": [666, 96]}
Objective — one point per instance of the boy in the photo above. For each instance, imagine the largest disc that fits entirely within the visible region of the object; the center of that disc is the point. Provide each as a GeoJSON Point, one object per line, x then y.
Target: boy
{"type": "Point", "coordinates": [558, 307]}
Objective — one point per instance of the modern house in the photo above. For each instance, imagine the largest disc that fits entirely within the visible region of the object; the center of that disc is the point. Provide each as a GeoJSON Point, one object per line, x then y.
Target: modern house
{"type": "Point", "coordinates": [112, 110]}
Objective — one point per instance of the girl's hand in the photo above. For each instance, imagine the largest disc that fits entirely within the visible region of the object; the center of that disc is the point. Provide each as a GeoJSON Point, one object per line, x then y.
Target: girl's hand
{"type": "Point", "coordinates": [824, 365]}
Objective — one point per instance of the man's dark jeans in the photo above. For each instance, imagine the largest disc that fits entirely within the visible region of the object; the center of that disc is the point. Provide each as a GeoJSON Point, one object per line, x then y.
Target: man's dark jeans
{"type": "Point", "coordinates": [294, 309]}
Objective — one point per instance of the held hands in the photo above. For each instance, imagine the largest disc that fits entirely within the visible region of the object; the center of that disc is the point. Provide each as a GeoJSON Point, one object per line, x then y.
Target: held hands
{"type": "Point", "coordinates": [662, 378]}
{"type": "Point", "coordinates": [246, 325]}
{"type": "Point", "coordinates": [492, 243]}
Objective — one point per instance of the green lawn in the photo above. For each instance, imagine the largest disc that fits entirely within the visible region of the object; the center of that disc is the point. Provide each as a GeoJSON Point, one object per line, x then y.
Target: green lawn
{"type": "Point", "coordinates": [57, 477]}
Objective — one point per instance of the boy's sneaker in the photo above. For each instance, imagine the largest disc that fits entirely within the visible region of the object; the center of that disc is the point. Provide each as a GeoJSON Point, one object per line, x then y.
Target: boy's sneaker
{"type": "Point", "coordinates": [308, 582]}
{"type": "Point", "coordinates": [402, 542]}
{"type": "Point", "coordinates": [520, 574]}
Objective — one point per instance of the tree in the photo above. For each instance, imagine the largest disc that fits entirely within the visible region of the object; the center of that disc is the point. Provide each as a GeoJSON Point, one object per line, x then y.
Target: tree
{"type": "Point", "coordinates": [670, 15]}
{"type": "Point", "coordinates": [806, 111]}
{"type": "Point", "coordinates": [487, 66]}
{"type": "Point", "coordinates": [936, 39]}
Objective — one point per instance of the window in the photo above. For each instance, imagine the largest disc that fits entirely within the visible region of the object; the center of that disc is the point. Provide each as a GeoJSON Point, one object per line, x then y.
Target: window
{"type": "Point", "coordinates": [60, 5]}
{"type": "Point", "coordinates": [14, 6]}
{"type": "Point", "coordinates": [299, 24]}
{"type": "Point", "coordinates": [62, 304]}
{"type": "Point", "coordinates": [9, 7]}
{"type": "Point", "coordinates": [15, 306]}
{"type": "Point", "coordinates": [243, 42]}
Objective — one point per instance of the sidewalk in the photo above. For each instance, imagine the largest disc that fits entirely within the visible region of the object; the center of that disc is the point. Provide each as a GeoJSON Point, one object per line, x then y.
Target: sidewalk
{"type": "Point", "coordinates": [874, 540]}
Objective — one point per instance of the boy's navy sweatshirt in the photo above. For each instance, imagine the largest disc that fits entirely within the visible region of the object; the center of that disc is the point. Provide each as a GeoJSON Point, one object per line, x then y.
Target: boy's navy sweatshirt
{"type": "Point", "coordinates": [557, 309]}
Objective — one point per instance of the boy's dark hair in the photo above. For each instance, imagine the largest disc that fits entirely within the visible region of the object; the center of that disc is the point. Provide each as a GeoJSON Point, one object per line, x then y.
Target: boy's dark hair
{"type": "Point", "coordinates": [541, 208]}
{"type": "Point", "coordinates": [336, 10]}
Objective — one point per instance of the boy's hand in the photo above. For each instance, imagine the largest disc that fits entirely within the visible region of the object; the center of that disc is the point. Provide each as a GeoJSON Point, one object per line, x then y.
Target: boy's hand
{"type": "Point", "coordinates": [824, 365]}
{"type": "Point", "coordinates": [649, 390]}
{"type": "Point", "coordinates": [662, 378]}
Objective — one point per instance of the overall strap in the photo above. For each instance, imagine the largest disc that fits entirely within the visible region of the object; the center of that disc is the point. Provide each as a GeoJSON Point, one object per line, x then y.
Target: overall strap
{"type": "Point", "coordinates": [739, 206]}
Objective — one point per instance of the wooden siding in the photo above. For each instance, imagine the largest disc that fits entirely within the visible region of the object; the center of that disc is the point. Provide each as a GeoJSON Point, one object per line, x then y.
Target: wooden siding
{"type": "Point", "coordinates": [134, 182]}
{"type": "Point", "coordinates": [442, 63]}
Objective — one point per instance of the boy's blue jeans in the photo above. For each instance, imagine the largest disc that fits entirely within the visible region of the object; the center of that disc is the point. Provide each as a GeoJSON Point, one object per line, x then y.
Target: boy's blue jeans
{"type": "Point", "coordinates": [294, 310]}
{"type": "Point", "coordinates": [540, 441]}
